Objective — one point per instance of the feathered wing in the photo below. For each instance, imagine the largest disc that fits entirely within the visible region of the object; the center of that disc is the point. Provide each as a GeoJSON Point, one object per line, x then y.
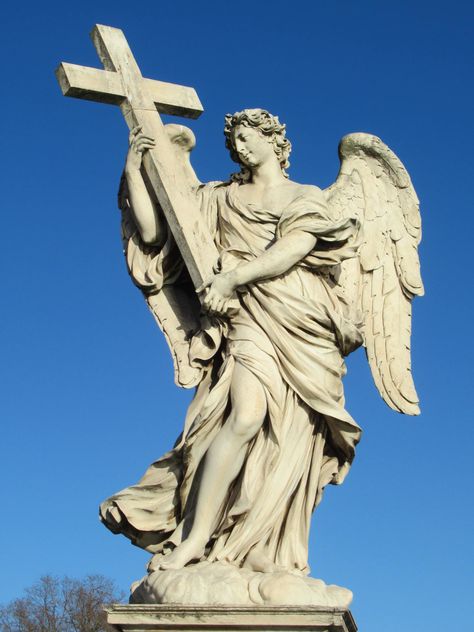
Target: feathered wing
{"type": "Point", "coordinates": [160, 273]}
{"type": "Point", "coordinates": [379, 285]}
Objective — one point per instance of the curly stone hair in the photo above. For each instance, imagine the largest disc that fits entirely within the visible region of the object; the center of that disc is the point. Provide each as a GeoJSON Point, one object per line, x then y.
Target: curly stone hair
{"type": "Point", "coordinates": [267, 125]}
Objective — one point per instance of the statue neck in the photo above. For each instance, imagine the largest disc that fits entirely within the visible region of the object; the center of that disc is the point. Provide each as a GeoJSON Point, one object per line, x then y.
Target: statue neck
{"type": "Point", "coordinates": [267, 174]}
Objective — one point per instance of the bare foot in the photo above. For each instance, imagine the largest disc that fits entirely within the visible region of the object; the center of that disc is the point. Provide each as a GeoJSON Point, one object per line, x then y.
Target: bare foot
{"type": "Point", "coordinates": [256, 560]}
{"type": "Point", "coordinates": [184, 553]}
{"type": "Point", "coordinates": [154, 563]}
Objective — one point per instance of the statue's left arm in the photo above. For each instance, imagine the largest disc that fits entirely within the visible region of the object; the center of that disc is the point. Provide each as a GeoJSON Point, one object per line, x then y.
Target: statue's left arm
{"type": "Point", "coordinates": [285, 253]}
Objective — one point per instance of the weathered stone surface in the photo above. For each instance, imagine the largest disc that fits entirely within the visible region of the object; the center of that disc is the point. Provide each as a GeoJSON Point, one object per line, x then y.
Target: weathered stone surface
{"type": "Point", "coordinates": [143, 618]}
{"type": "Point", "coordinates": [221, 583]}
{"type": "Point", "coordinates": [299, 278]}
{"type": "Point", "coordinates": [140, 100]}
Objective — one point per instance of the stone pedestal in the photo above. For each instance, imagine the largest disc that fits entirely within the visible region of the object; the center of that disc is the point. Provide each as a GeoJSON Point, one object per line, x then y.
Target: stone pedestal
{"type": "Point", "coordinates": [161, 618]}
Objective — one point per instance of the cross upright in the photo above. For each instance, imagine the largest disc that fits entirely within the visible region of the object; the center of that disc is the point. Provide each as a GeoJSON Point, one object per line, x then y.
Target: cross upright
{"type": "Point", "coordinates": [141, 100]}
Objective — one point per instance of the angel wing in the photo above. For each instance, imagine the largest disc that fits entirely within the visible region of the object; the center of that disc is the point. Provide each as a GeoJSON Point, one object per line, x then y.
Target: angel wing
{"type": "Point", "coordinates": [160, 273]}
{"type": "Point", "coordinates": [378, 286]}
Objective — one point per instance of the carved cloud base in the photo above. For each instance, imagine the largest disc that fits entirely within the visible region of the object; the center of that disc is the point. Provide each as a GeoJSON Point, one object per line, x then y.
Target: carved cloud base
{"type": "Point", "coordinates": [220, 583]}
{"type": "Point", "coordinates": [161, 618]}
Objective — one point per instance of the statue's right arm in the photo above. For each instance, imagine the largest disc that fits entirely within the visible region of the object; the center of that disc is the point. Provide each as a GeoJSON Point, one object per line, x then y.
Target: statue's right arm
{"type": "Point", "coordinates": [147, 218]}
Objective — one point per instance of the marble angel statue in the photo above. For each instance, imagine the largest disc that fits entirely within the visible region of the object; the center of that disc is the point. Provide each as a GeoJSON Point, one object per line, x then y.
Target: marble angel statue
{"type": "Point", "coordinates": [305, 276]}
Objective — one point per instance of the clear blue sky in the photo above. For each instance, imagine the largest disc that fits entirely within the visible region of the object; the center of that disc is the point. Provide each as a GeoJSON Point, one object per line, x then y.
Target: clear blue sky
{"type": "Point", "coordinates": [88, 399]}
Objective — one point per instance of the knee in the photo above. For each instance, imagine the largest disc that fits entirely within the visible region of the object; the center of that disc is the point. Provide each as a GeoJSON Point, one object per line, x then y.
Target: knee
{"type": "Point", "coordinates": [245, 427]}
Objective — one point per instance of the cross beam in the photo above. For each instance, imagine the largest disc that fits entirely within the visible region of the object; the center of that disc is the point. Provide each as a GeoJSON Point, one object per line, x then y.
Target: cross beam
{"type": "Point", "coordinates": [141, 100]}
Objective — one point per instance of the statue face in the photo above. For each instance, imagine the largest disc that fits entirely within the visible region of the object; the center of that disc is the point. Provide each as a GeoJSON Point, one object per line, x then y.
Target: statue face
{"type": "Point", "coordinates": [252, 147]}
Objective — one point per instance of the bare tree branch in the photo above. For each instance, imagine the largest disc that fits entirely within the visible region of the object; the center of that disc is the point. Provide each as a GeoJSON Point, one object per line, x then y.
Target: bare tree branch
{"type": "Point", "coordinates": [61, 605]}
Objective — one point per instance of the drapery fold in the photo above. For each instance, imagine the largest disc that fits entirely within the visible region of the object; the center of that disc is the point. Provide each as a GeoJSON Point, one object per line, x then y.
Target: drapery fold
{"type": "Point", "coordinates": [291, 332]}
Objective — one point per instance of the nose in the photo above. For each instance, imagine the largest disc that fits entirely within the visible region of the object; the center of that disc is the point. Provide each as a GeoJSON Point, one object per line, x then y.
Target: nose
{"type": "Point", "coordinates": [241, 149]}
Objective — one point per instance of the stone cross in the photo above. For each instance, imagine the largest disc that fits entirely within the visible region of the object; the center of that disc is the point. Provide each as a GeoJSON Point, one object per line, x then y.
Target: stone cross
{"type": "Point", "coordinates": [141, 100]}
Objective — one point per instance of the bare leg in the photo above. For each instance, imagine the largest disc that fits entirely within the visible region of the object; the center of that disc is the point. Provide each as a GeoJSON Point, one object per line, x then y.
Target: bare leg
{"type": "Point", "coordinates": [223, 462]}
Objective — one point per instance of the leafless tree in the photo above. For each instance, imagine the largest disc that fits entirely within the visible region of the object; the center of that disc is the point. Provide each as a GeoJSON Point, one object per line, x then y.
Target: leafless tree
{"type": "Point", "coordinates": [61, 605]}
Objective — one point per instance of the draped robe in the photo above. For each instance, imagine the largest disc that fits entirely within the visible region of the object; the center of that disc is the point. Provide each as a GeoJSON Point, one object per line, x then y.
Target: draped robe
{"type": "Point", "coordinates": [291, 332]}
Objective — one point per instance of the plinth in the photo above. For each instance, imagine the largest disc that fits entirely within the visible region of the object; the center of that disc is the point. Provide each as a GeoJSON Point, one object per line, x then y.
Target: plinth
{"type": "Point", "coordinates": [169, 617]}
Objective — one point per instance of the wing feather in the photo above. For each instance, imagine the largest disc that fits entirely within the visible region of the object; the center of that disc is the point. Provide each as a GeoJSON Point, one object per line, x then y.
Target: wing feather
{"type": "Point", "coordinates": [374, 186]}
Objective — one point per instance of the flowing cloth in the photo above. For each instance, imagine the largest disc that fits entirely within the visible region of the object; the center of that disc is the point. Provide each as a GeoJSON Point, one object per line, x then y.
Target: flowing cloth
{"type": "Point", "coordinates": [291, 333]}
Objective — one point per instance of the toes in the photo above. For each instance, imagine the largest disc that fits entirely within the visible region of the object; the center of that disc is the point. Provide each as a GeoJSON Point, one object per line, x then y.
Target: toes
{"type": "Point", "coordinates": [155, 563]}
